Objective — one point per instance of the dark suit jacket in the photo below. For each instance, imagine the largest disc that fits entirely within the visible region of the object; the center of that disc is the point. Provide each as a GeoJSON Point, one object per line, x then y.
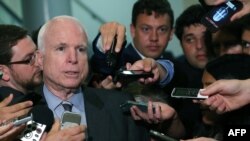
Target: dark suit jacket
{"type": "Point", "coordinates": [106, 121]}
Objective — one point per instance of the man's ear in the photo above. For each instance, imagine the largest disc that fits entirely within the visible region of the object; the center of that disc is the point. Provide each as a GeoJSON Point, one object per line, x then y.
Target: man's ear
{"type": "Point", "coordinates": [172, 34]}
{"type": "Point", "coordinates": [5, 73]}
{"type": "Point", "coordinates": [39, 59]}
{"type": "Point", "coordinates": [132, 30]}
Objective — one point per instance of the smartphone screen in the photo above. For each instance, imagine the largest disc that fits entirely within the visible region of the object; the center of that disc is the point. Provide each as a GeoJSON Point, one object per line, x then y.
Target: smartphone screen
{"type": "Point", "coordinates": [127, 76]}
{"type": "Point", "coordinates": [221, 14]}
{"type": "Point", "coordinates": [187, 93]}
{"type": "Point", "coordinates": [137, 73]}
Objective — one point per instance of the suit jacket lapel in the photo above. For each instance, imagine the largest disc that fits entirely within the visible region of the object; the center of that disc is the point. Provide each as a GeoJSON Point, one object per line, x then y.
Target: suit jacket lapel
{"type": "Point", "coordinates": [97, 117]}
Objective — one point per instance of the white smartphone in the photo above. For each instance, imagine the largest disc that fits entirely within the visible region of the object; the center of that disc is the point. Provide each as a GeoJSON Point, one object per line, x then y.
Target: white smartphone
{"type": "Point", "coordinates": [70, 119]}
{"type": "Point", "coordinates": [193, 93]}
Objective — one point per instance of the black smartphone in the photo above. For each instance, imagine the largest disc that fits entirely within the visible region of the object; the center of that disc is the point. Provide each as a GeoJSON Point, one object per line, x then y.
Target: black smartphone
{"type": "Point", "coordinates": [221, 14]}
{"type": "Point", "coordinates": [187, 93]}
{"type": "Point", "coordinates": [141, 105]}
{"type": "Point", "coordinates": [127, 76]}
{"type": "Point", "coordinates": [111, 59]}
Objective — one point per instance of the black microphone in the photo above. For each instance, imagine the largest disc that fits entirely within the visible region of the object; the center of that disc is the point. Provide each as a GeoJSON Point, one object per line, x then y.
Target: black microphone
{"type": "Point", "coordinates": [111, 59]}
{"type": "Point", "coordinates": [43, 120]}
{"type": "Point", "coordinates": [42, 114]}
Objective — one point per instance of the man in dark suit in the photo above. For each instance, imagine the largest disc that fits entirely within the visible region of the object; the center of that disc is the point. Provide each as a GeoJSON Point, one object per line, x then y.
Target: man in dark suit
{"type": "Point", "coordinates": [20, 74]}
{"type": "Point", "coordinates": [62, 55]}
{"type": "Point", "coordinates": [151, 30]}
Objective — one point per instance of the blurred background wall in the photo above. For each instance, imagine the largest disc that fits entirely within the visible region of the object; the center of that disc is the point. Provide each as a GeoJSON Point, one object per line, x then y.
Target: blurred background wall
{"type": "Point", "coordinates": [31, 14]}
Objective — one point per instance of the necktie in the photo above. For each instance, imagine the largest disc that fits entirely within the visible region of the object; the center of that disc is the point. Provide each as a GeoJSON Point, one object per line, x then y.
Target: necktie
{"type": "Point", "coordinates": [67, 106]}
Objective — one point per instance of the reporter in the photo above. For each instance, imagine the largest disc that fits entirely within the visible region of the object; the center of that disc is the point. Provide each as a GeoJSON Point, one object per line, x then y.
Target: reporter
{"type": "Point", "coordinates": [151, 30]}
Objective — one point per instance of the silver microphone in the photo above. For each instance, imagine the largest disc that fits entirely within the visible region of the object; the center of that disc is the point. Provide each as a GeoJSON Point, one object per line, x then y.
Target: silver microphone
{"type": "Point", "coordinates": [18, 121]}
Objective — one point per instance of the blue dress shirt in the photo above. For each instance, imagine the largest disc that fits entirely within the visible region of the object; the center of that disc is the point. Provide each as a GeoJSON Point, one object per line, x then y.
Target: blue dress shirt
{"type": "Point", "coordinates": [54, 103]}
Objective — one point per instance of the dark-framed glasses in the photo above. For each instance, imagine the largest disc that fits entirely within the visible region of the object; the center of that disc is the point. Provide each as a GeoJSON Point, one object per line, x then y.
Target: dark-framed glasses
{"type": "Point", "coordinates": [28, 61]}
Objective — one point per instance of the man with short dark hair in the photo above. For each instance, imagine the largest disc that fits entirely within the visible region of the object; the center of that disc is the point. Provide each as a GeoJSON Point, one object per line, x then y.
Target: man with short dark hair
{"type": "Point", "coordinates": [151, 30]}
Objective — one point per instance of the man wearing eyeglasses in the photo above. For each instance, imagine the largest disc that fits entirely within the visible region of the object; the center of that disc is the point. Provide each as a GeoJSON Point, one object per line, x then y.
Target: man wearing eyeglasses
{"type": "Point", "coordinates": [17, 60]}
{"type": "Point", "coordinates": [20, 74]}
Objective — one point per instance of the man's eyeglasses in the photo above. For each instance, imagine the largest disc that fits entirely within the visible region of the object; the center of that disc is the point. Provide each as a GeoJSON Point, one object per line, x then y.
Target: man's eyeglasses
{"type": "Point", "coordinates": [30, 61]}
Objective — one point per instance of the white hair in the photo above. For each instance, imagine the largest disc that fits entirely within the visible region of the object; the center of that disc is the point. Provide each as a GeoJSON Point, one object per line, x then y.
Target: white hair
{"type": "Point", "coordinates": [43, 30]}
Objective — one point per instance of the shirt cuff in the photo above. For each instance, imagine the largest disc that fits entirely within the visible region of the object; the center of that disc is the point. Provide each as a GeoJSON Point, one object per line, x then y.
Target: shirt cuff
{"type": "Point", "coordinates": [169, 67]}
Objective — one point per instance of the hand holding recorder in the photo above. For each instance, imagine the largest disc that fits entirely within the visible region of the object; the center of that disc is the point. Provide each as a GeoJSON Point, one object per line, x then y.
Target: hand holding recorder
{"type": "Point", "coordinates": [160, 113]}
{"type": "Point", "coordinates": [76, 133]}
{"type": "Point", "coordinates": [154, 112]}
{"type": "Point", "coordinates": [148, 65]}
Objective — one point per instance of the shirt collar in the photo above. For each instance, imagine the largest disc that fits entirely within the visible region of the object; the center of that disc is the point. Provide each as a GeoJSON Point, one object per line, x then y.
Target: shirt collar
{"type": "Point", "coordinates": [137, 51]}
{"type": "Point", "coordinates": [142, 56]}
{"type": "Point", "coordinates": [54, 101]}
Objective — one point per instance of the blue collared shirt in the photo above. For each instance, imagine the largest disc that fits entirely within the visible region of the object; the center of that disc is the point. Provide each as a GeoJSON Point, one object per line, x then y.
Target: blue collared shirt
{"type": "Point", "coordinates": [54, 103]}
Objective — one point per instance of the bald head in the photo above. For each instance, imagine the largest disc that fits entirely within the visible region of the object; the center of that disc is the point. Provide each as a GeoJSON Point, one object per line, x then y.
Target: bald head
{"type": "Point", "coordinates": [60, 24]}
{"type": "Point", "coordinates": [62, 54]}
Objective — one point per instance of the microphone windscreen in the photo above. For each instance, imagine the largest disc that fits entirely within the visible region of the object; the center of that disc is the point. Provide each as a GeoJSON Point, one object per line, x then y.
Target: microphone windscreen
{"type": "Point", "coordinates": [42, 114]}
